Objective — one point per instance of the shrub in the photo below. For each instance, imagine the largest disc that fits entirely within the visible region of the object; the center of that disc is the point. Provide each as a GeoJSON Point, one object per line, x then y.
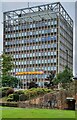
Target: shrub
{"type": "Point", "coordinates": [40, 91]}
{"type": "Point", "coordinates": [46, 90]}
{"type": "Point", "coordinates": [23, 97]}
{"type": "Point", "coordinates": [16, 97]}
{"type": "Point", "coordinates": [19, 92]}
{"type": "Point", "coordinates": [34, 92]}
{"type": "Point", "coordinates": [10, 91]}
{"type": "Point", "coordinates": [10, 97]}
{"type": "Point", "coordinates": [5, 88]}
{"type": "Point", "coordinates": [3, 91]}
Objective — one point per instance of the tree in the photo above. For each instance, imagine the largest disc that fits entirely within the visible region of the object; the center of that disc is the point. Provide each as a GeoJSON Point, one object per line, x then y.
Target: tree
{"type": "Point", "coordinates": [50, 79]}
{"type": "Point", "coordinates": [9, 81]}
{"type": "Point", "coordinates": [32, 84]}
{"type": "Point", "coordinates": [64, 77]}
{"type": "Point", "coordinates": [7, 64]}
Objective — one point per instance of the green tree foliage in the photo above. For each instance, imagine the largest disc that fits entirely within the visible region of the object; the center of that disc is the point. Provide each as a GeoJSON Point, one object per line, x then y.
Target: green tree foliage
{"type": "Point", "coordinates": [64, 77]}
{"type": "Point", "coordinates": [32, 84]}
{"type": "Point", "coordinates": [50, 79]}
{"type": "Point", "coordinates": [9, 81]}
{"type": "Point", "coordinates": [7, 64]}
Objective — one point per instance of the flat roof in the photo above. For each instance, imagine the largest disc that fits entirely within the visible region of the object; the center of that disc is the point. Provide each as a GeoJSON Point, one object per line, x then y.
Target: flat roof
{"type": "Point", "coordinates": [39, 11]}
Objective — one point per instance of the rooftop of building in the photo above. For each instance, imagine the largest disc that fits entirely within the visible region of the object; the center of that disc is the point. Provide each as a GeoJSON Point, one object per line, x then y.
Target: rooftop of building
{"type": "Point", "coordinates": [40, 12]}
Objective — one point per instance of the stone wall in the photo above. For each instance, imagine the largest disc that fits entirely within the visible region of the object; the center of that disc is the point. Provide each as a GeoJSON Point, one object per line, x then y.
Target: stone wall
{"type": "Point", "coordinates": [50, 100]}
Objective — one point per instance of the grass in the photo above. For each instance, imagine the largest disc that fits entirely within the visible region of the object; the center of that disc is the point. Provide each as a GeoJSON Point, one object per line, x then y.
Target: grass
{"type": "Point", "coordinates": [8, 112]}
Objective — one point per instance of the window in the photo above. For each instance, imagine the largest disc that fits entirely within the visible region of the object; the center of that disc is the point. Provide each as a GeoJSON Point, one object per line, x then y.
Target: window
{"type": "Point", "coordinates": [30, 33]}
{"type": "Point", "coordinates": [25, 33]}
{"type": "Point", "coordinates": [33, 54]}
{"type": "Point", "coordinates": [52, 30]}
{"type": "Point", "coordinates": [19, 34]}
{"type": "Point", "coordinates": [39, 61]}
{"type": "Point", "coordinates": [55, 30]}
{"type": "Point", "coordinates": [33, 47]}
{"type": "Point", "coordinates": [42, 31]}
{"type": "Point", "coordinates": [49, 23]}
{"type": "Point", "coordinates": [30, 62]}
{"type": "Point", "coordinates": [54, 60]}
{"type": "Point", "coordinates": [54, 68]}
{"type": "Point", "coordinates": [36, 39]}
{"type": "Point", "coordinates": [6, 43]}
{"type": "Point", "coordinates": [49, 45]}
{"type": "Point", "coordinates": [49, 53]}
{"type": "Point", "coordinates": [30, 25]}
{"type": "Point", "coordinates": [49, 68]}
{"type": "Point", "coordinates": [55, 22]}
{"type": "Point", "coordinates": [54, 53]}
{"type": "Point", "coordinates": [36, 47]}
{"type": "Point", "coordinates": [36, 32]}
{"type": "Point", "coordinates": [5, 36]}
{"type": "Point", "coordinates": [42, 61]}
{"type": "Point", "coordinates": [39, 54]}
{"type": "Point", "coordinates": [39, 47]}
{"type": "Point", "coordinates": [45, 61]}
{"type": "Point", "coordinates": [45, 53]}
{"type": "Point", "coordinates": [45, 68]}
{"type": "Point", "coordinates": [49, 61]}
{"type": "Point", "coordinates": [49, 38]}
{"type": "Point", "coordinates": [39, 31]}
{"type": "Point", "coordinates": [16, 27]}
{"type": "Point", "coordinates": [39, 39]}
{"type": "Point", "coordinates": [33, 25]}
{"type": "Point", "coordinates": [43, 46]}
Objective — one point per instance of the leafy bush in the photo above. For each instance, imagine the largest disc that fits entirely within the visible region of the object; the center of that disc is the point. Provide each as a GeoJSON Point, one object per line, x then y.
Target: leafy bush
{"type": "Point", "coordinates": [10, 91]}
{"type": "Point", "coordinates": [19, 92]}
{"type": "Point", "coordinates": [4, 90]}
{"type": "Point", "coordinates": [15, 97]}
{"type": "Point", "coordinates": [40, 91]}
{"type": "Point", "coordinates": [27, 94]}
{"type": "Point", "coordinates": [47, 90]}
{"type": "Point", "coordinates": [34, 92]}
{"type": "Point", "coordinates": [23, 97]}
{"type": "Point", "coordinates": [10, 98]}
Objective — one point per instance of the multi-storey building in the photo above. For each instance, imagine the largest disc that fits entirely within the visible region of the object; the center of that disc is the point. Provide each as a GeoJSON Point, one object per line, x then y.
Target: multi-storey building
{"type": "Point", "coordinates": [39, 38]}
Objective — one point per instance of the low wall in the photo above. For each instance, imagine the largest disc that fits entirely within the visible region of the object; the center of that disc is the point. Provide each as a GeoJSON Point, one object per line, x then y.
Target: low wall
{"type": "Point", "coordinates": [50, 100]}
{"type": "Point", "coordinates": [9, 104]}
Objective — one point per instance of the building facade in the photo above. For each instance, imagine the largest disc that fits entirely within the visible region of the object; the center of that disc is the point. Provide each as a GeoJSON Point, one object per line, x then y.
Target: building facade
{"type": "Point", "coordinates": [40, 38]}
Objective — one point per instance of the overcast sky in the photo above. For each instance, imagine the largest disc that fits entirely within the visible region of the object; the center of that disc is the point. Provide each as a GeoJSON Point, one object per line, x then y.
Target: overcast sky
{"type": "Point", "coordinates": [6, 6]}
